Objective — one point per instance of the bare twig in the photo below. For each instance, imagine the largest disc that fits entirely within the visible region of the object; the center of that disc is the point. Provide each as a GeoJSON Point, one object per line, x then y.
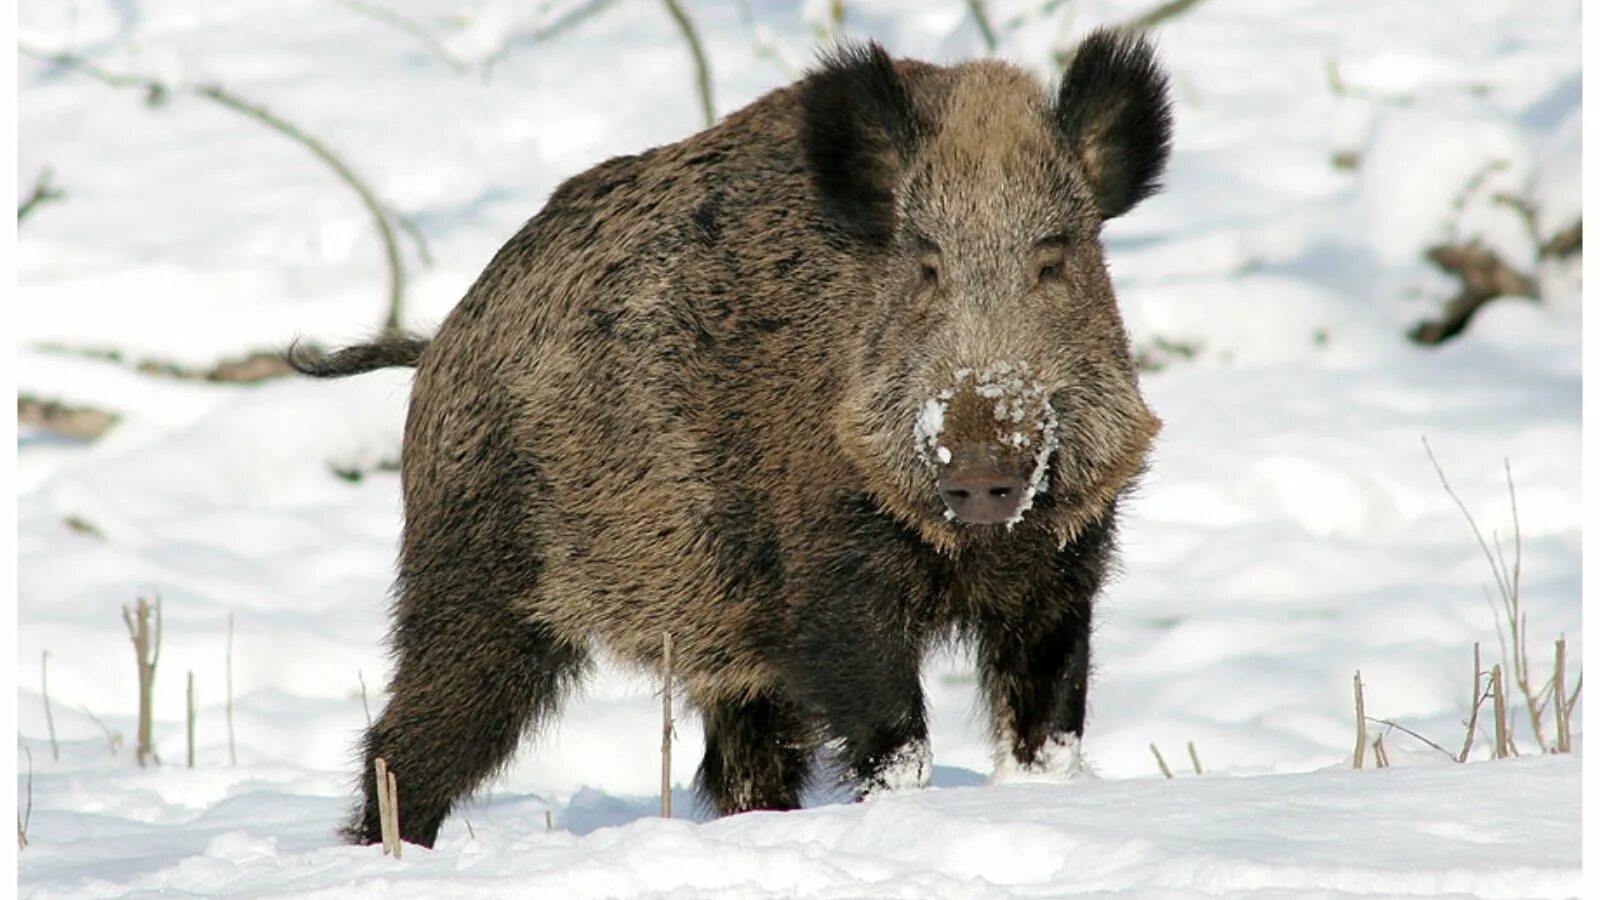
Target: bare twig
{"type": "Point", "coordinates": [189, 731]}
{"type": "Point", "coordinates": [379, 212]}
{"type": "Point", "coordinates": [388, 807]}
{"type": "Point", "coordinates": [1478, 696]}
{"type": "Point", "coordinates": [1162, 763]}
{"type": "Point", "coordinates": [568, 20]}
{"type": "Point", "coordinates": [980, 15]}
{"type": "Point", "coordinates": [1501, 733]}
{"type": "Point", "coordinates": [49, 719]}
{"type": "Point", "coordinates": [364, 708]}
{"type": "Point", "coordinates": [1194, 758]}
{"type": "Point", "coordinates": [147, 653]}
{"type": "Point", "coordinates": [1156, 15]}
{"type": "Point", "coordinates": [25, 817]}
{"type": "Point", "coordinates": [1401, 728]}
{"type": "Point", "coordinates": [1379, 755]}
{"type": "Point", "coordinates": [43, 192]}
{"type": "Point", "coordinates": [113, 738]}
{"type": "Point", "coordinates": [233, 756]}
{"type": "Point", "coordinates": [411, 27]}
{"type": "Point", "coordinates": [549, 821]}
{"type": "Point", "coordinates": [666, 726]}
{"type": "Point", "coordinates": [1559, 692]}
{"type": "Point", "coordinates": [701, 68]}
{"type": "Point", "coordinates": [1361, 723]}
{"type": "Point", "coordinates": [763, 46]}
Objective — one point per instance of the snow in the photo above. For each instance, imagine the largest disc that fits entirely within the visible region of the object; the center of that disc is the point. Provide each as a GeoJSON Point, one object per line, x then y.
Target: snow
{"type": "Point", "coordinates": [1291, 529]}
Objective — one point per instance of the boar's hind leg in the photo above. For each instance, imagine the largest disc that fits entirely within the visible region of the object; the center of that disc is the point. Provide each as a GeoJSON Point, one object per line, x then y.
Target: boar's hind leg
{"type": "Point", "coordinates": [470, 677]}
{"type": "Point", "coordinates": [756, 756]}
{"type": "Point", "coordinates": [1036, 673]}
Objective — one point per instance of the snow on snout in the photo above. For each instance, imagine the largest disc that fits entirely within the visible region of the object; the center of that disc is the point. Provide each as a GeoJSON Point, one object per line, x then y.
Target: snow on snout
{"type": "Point", "coordinates": [1023, 418]}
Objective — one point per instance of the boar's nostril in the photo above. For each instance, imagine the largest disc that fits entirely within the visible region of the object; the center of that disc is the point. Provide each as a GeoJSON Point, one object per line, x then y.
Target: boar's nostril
{"type": "Point", "coordinates": [982, 496]}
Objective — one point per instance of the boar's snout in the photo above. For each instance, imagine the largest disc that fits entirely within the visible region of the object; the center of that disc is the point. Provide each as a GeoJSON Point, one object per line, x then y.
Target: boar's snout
{"type": "Point", "coordinates": [982, 495]}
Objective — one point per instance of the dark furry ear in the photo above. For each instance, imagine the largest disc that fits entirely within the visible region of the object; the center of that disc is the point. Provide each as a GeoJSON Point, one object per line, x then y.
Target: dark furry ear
{"type": "Point", "coordinates": [859, 130]}
{"type": "Point", "coordinates": [1115, 114]}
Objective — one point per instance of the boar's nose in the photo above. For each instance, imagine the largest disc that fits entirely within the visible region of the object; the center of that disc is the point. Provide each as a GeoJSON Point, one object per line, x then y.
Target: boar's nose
{"type": "Point", "coordinates": [982, 496]}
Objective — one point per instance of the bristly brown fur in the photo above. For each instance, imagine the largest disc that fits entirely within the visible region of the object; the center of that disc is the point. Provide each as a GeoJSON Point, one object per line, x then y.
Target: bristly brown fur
{"type": "Point", "coordinates": [684, 398]}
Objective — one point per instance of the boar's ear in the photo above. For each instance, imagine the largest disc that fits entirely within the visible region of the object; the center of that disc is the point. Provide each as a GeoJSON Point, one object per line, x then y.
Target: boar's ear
{"type": "Point", "coordinates": [859, 130]}
{"type": "Point", "coordinates": [1115, 115]}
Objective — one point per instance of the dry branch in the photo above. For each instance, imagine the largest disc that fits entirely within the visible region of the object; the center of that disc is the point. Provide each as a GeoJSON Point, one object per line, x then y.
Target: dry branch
{"type": "Point", "coordinates": [1194, 758]}
{"type": "Point", "coordinates": [381, 214]}
{"type": "Point", "coordinates": [364, 708]}
{"type": "Point", "coordinates": [980, 15]}
{"type": "Point", "coordinates": [1157, 15]}
{"type": "Point", "coordinates": [113, 738]}
{"type": "Point", "coordinates": [1387, 723]}
{"type": "Point", "coordinates": [1484, 277]}
{"type": "Point", "coordinates": [147, 653]}
{"type": "Point", "coordinates": [411, 27]}
{"type": "Point", "coordinates": [1159, 761]}
{"type": "Point", "coordinates": [1379, 755]}
{"type": "Point", "coordinates": [702, 71]}
{"type": "Point", "coordinates": [1501, 733]}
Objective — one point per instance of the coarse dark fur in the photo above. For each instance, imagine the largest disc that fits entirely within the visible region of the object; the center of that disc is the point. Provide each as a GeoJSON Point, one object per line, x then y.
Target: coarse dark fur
{"type": "Point", "coordinates": [685, 399]}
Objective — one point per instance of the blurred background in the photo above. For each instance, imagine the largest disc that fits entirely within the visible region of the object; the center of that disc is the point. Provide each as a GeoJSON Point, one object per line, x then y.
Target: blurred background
{"type": "Point", "coordinates": [1370, 236]}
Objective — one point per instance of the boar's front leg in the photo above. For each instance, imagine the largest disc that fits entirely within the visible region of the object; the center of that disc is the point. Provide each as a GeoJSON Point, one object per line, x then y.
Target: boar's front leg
{"type": "Point", "coordinates": [1035, 672]}
{"type": "Point", "coordinates": [856, 665]}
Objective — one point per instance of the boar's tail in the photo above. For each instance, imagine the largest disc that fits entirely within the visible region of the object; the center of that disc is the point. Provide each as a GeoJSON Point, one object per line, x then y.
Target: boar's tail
{"type": "Point", "coordinates": [382, 352]}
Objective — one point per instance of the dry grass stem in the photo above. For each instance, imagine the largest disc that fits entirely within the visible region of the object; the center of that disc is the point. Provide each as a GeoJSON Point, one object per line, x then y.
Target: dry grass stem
{"type": "Point", "coordinates": [364, 707]}
{"type": "Point", "coordinates": [1478, 696]}
{"type": "Point", "coordinates": [666, 726]}
{"type": "Point", "coordinates": [549, 821]}
{"type": "Point", "coordinates": [25, 817]}
{"type": "Point", "coordinates": [113, 738]}
{"type": "Point", "coordinates": [1387, 723]}
{"type": "Point", "coordinates": [1501, 734]}
{"type": "Point", "coordinates": [1194, 758]}
{"type": "Point", "coordinates": [49, 719]}
{"type": "Point", "coordinates": [1379, 755]}
{"type": "Point", "coordinates": [980, 15]}
{"type": "Point", "coordinates": [1361, 724]}
{"type": "Point", "coordinates": [1159, 761]}
{"type": "Point", "coordinates": [192, 704]}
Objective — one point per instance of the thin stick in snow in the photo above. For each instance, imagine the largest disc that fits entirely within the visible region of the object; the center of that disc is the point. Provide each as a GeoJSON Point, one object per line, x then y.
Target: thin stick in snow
{"type": "Point", "coordinates": [1478, 696]}
{"type": "Point", "coordinates": [1563, 725]}
{"type": "Point", "coordinates": [666, 726]}
{"type": "Point", "coordinates": [549, 821]}
{"type": "Point", "coordinates": [1361, 724]}
{"type": "Point", "coordinates": [388, 808]}
{"type": "Point", "coordinates": [233, 756]}
{"type": "Point", "coordinates": [147, 653]}
{"type": "Point", "coordinates": [1159, 761]}
{"type": "Point", "coordinates": [24, 819]}
{"type": "Point", "coordinates": [190, 719]}
{"type": "Point", "coordinates": [1379, 755]}
{"type": "Point", "coordinates": [1194, 758]}
{"type": "Point", "coordinates": [49, 720]}
{"type": "Point", "coordinates": [1501, 738]}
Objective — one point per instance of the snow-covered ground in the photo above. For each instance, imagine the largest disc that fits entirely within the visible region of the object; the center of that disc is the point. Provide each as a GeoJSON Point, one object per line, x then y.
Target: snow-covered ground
{"type": "Point", "coordinates": [1292, 530]}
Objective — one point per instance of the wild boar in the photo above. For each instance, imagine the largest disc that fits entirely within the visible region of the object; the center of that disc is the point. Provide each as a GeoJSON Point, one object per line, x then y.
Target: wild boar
{"type": "Point", "coordinates": [811, 391]}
